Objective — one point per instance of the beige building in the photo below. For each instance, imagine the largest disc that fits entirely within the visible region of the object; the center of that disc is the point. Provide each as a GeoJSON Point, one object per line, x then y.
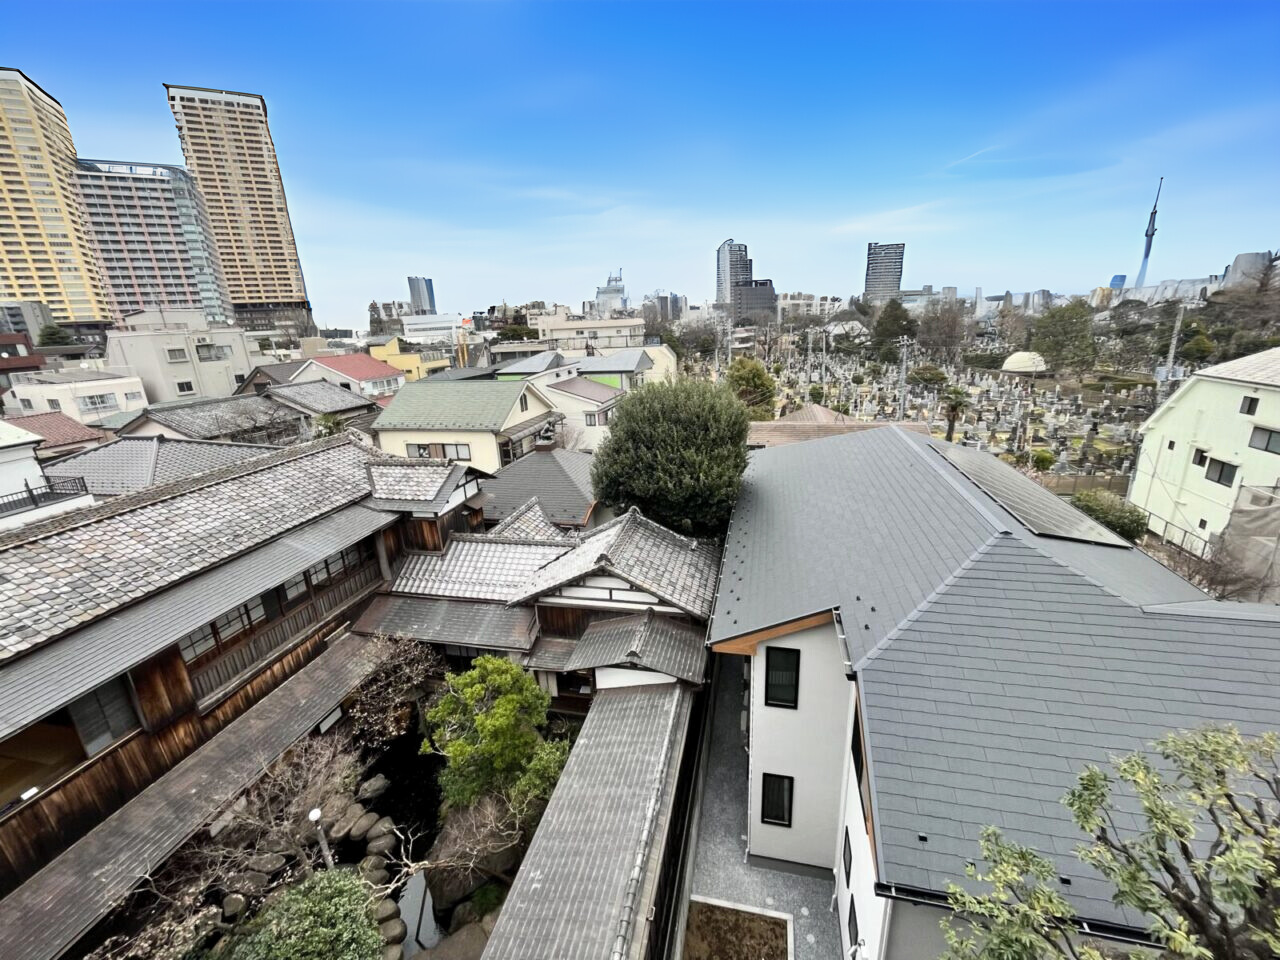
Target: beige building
{"type": "Point", "coordinates": [179, 356]}
{"type": "Point", "coordinates": [562, 330]}
{"type": "Point", "coordinates": [45, 249]}
{"type": "Point", "coordinates": [229, 151]}
{"type": "Point", "coordinates": [487, 423]}
{"type": "Point", "coordinates": [85, 393]}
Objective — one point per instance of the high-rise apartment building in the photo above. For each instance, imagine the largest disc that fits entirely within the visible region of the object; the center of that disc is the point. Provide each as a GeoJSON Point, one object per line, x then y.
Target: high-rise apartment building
{"type": "Point", "coordinates": [884, 271]}
{"type": "Point", "coordinates": [46, 253]}
{"type": "Point", "coordinates": [154, 239]}
{"type": "Point", "coordinates": [229, 151]}
{"type": "Point", "coordinates": [422, 295]}
{"type": "Point", "coordinates": [733, 266]}
{"type": "Point", "coordinates": [754, 302]}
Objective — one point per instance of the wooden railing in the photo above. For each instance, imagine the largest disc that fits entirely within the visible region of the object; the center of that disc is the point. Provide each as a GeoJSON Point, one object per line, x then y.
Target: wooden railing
{"type": "Point", "coordinates": [221, 673]}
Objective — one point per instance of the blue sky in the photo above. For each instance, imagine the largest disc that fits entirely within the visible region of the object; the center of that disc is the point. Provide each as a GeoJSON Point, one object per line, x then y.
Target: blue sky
{"type": "Point", "coordinates": [520, 151]}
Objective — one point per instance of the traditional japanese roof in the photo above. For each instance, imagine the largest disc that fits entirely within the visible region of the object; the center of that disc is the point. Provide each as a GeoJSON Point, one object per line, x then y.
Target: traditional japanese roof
{"type": "Point", "coordinates": [631, 360]}
{"type": "Point", "coordinates": [60, 574]}
{"type": "Point", "coordinates": [529, 522]}
{"type": "Point", "coordinates": [132, 463]}
{"type": "Point", "coordinates": [318, 396]}
{"type": "Point", "coordinates": [678, 570]}
{"type": "Point", "coordinates": [476, 567]}
{"type": "Point", "coordinates": [586, 389]}
{"type": "Point", "coordinates": [359, 366]}
{"type": "Point", "coordinates": [775, 433]}
{"type": "Point", "coordinates": [56, 429]}
{"type": "Point", "coordinates": [482, 405]}
{"type": "Point", "coordinates": [119, 420]}
{"type": "Point", "coordinates": [548, 653]}
{"type": "Point", "coordinates": [416, 486]}
{"type": "Point", "coordinates": [590, 875]}
{"type": "Point", "coordinates": [492, 626]}
{"type": "Point", "coordinates": [1260, 368]}
{"type": "Point", "coordinates": [206, 419]}
{"type": "Point", "coordinates": [646, 640]}
{"type": "Point", "coordinates": [560, 479]}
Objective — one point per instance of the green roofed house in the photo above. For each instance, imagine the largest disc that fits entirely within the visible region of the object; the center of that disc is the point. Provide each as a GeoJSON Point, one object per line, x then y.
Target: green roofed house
{"type": "Point", "coordinates": [623, 370]}
{"type": "Point", "coordinates": [485, 423]}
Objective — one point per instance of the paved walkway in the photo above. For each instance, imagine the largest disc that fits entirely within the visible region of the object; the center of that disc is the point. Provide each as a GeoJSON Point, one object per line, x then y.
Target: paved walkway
{"type": "Point", "coordinates": [47, 914]}
{"type": "Point", "coordinates": [720, 870]}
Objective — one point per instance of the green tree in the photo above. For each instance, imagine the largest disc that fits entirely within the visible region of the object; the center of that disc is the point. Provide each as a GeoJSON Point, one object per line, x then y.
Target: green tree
{"type": "Point", "coordinates": [1203, 865]}
{"type": "Point", "coordinates": [53, 335]}
{"type": "Point", "coordinates": [516, 331]}
{"type": "Point", "coordinates": [486, 725]}
{"type": "Point", "coordinates": [1197, 349]}
{"type": "Point", "coordinates": [815, 393]}
{"type": "Point", "coordinates": [676, 451]}
{"type": "Point", "coordinates": [751, 383]}
{"type": "Point", "coordinates": [1113, 512]}
{"type": "Point", "coordinates": [1043, 460]}
{"type": "Point", "coordinates": [955, 401]}
{"type": "Point", "coordinates": [893, 322]}
{"type": "Point", "coordinates": [1064, 337]}
{"type": "Point", "coordinates": [326, 425]}
{"type": "Point", "coordinates": [530, 793]}
{"type": "Point", "coordinates": [928, 375]}
{"type": "Point", "coordinates": [325, 917]}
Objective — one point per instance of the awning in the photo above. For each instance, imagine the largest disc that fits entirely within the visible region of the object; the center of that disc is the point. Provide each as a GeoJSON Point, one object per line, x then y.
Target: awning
{"type": "Point", "coordinates": [58, 672]}
{"type": "Point", "coordinates": [527, 428]}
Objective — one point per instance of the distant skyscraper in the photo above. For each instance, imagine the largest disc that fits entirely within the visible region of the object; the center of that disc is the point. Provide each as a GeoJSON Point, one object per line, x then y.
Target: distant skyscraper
{"type": "Point", "coordinates": [154, 239]}
{"type": "Point", "coordinates": [733, 266]}
{"type": "Point", "coordinates": [612, 296]}
{"type": "Point", "coordinates": [48, 251]}
{"type": "Point", "coordinates": [229, 151]}
{"type": "Point", "coordinates": [422, 294]}
{"type": "Point", "coordinates": [754, 302]}
{"type": "Point", "coordinates": [884, 271]}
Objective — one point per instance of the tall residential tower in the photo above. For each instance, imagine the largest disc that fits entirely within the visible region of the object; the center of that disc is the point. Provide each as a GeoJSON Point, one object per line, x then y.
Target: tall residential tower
{"type": "Point", "coordinates": [733, 266]}
{"type": "Point", "coordinates": [154, 239]}
{"type": "Point", "coordinates": [228, 147]}
{"type": "Point", "coordinates": [884, 271]}
{"type": "Point", "coordinates": [422, 295]}
{"type": "Point", "coordinates": [47, 252]}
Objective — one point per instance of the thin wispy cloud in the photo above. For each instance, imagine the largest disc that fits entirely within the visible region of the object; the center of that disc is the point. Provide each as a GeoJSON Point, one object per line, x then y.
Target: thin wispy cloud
{"type": "Point", "coordinates": [976, 153]}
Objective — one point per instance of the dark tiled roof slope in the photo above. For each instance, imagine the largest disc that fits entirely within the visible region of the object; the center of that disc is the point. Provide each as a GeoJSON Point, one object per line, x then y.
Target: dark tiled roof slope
{"type": "Point", "coordinates": [529, 522]}
{"type": "Point", "coordinates": [643, 640]}
{"type": "Point", "coordinates": [132, 463]}
{"type": "Point", "coordinates": [476, 567]}
{"type": "Point", "coordinates": [204, 419]}
{"type": "Point", "coordinates": [319, 396]}
{"type": "Point", "coordinates": [61, 574]}
{"type": "Point", "coordinates": [560, 479]}
{"type": "Point", "coordinates": [460, 622]}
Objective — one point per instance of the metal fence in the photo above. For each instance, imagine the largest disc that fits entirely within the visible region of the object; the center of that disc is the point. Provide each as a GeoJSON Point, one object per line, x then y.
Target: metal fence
{"type": "Point", "coordinates": [57, 488]}
{"type": "Point", "coordinates": [1066, 485]}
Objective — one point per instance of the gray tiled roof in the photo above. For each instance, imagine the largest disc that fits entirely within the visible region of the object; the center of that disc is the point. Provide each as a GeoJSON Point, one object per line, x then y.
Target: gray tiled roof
{"type": "Point", "coordinates": [631, 360]}
{"type": "Point", "coordinates": [1263, 368]}
{"type": "Point", "coordinates": [205, 419]}
{"type": "Point", "coordinates": [549, 653]}
{"type": "Point", "coordinates": [408, 479]}
{"type": "Point", "coordinates": [873, 523]}
{"type": "Point", "coordinates": [132, 463]}
{"type": "Point", "coordinates": [643, 640]}
{"type": "Point", "coordinates": [460, 622]}
{"type": "Point", "coordinates": [679, 570]}
{"type": "Point", "coordinates": [538, 363]}
{"type": "Point", "coordinates": [982, 707]}
{"type": "Point", "coordinates": [589, 878]}
{"type": "Point", "coordinates": [319, 396]}
{"type": "Point", "coordinates": [560, 479]}
{"type": "Point", "coordinates": [58, 575]}
{"type": "Point", "coordinates": [476, 567]}
{"type": "Point", "coordinates": [586, 389]}
{"type": "Point", "coordinates": [281, 372]}
{"type": "Point", "coordinates": [431, 404]}
{"type": "Point", "coordinates": [529, 522]}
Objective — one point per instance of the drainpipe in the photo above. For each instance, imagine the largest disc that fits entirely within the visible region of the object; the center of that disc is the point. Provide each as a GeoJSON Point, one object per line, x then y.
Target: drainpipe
{"type": "Point", "coordinates": [380, 548]}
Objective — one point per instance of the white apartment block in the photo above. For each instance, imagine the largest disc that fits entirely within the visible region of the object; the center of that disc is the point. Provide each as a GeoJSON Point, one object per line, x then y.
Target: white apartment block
{"type": "Point", "coordinates": [179, 356]}
{"type": "Point", "coordinates": [575, 331]}
{"type": "Point", "coordinates": [88, 393]}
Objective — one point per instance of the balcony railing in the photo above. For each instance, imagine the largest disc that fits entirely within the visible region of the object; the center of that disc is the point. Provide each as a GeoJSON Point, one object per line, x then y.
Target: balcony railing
{"type": "Point", "coordinates": [234, 664]}
{"type": "Point", "coordinates": [52, 491]}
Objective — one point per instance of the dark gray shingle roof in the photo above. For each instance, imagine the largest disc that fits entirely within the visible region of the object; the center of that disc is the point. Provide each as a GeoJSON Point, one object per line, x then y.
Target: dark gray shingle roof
{"type": "Point", "coordinates": [451, 405]}
{"type": "Point", "coordinates": [632, 360]}
{"type": "Point", "coordinates": [476, 567]}
{"type": "Point", "coordinates": [461, 622]}
{"type": "Point", "coordinates": [644, 640]}
{"type": "Point", "coordinates": [205, 419]}
{"type": "Point", "coordinates": [132, 463]}
{"type": "Point", "coordinates": [575, 897]}
{"type": "Point", "coordinates": [319, 396]}
{"type": "Point", "coordinates": [560, 479]}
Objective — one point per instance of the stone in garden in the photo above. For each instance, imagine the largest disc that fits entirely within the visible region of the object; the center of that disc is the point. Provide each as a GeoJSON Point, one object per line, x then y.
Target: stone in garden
{"type": "Point", "coordinates": [250, 882]}
{"type": "Point", "coordinates": [233, 905]}
{"type": "Point", "coordinates": [372, 862]}
{"type": "Point", "coordinates": [393, 951]}
{"type": "Point", "coordinates": [331, 810]}
{"type": "Point", "coordinates": [340, 830]}
{"type": "Point", "coordinates": [449, 887]}
{"type": "Point", "coordinates": [384, 844]}
{"type": "Point", "coordinates": [386, 909]}
{"type": "Point", "coordinates": [393, 931]}
{"type": "Point", "coordinates": [489, 921]}
{"type": "Point", "coordinates": [361, 826]}
{"type": "Point", "coordinates": [463, 914]}
{"type": "Point", "coordinates": [373, 788]}
{"type": "Point", "coordinates": [377, 878]}
{"type": "Point", "coordinates": [267, 863]}
{"type": "Point", "coordinates": [467, 944]}
{"type": "Point", "coordinates": [380, 829]}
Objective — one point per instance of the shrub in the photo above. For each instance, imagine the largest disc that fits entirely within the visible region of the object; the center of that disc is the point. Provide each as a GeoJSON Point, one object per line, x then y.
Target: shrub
{"type": "Point", "coordinates": [326, 917]}
{"type": "Point", "coordinates": [1113, 512]}
{"type": "Point", "coordinates": [1043, 459]}
{"type": "Point", "coordinates": [488, 898]}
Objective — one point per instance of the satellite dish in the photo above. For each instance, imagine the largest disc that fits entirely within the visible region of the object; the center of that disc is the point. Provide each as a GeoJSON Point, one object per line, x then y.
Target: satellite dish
{"type": "Point", "coordinates": [84, 365]}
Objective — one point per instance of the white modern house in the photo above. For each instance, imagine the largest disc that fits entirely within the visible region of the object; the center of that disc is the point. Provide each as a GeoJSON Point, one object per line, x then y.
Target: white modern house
{"type": "Point", "coordinates": [924, 642]}
{"type": "Point", "coordinates": [179, 356]}
{"type": "Point", "coordinates": [1219, 433]}
{"type": "Point", "coordinates": [88, 393]}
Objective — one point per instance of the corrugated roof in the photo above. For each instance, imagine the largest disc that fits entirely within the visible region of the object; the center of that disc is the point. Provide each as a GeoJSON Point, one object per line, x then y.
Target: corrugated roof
{"type": "Point", "coordinates": [492, 626]}
{"type": "Point", "coordinates": [58, 575]}
{"type": "Point", "coordinates": [56, 428]}
{"type": "Point", "coordinates": [128, 464]}
{"type": "Point", "coordinates": [318, 396]}
{"type": "Point", "coordinates": [538, 363]}
{"type": "Point", "coordinates": [529, 522]}
{"type": "Point", "coordinates": [1263, 368]}
{"type": "Point", "coordinates": [589, 877]}
{"type": "Point", "coordinates": [560, 479]}
{"type": "Point", "coordinates": [587, 389]}
{"type": "Point", "coordinates": [476, 567]}
{"type": "Point", "coordinates": [451, 405]}
{"type": "Point", "coordinates": [645, 640]}
{"type": "Point", "coordinates": [679, 570]}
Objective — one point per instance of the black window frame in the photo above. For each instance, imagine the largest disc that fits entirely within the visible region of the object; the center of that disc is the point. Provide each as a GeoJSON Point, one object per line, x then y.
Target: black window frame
{"type": "Point", "coordinates": [1199, 457]}
{"type": "Point", "coordinates": [1249, 406]}
{"type": "Point", "coordinates": [1270, 440]}
{"type": "Point", "coordinates": [848, 858]}
{"type": "Point", "coordinates": [857, 749]}
{"type": "Point", "coordinates": [1216, 469]}
{"type": "Point", "coordinates": [852, 923]}
{"type": "Point", "coordinates": [790, 799]}
{"type": "Point", "coordinates": [1171, 444]}
{"type": "Point", "coordinates": [773, 700]}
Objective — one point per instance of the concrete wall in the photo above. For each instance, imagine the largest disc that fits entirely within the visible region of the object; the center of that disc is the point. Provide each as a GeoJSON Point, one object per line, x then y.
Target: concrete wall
{"type": "Point", "coordinates": [806, 743]}
{"type": "Point", "coordinates": [484, 446]}
{"type": "Point", "coordinates": [146, 353]}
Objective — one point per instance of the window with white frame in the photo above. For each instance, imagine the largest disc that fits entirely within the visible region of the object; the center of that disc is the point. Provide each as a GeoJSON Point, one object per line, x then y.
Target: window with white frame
{"type": "Point", "coordinates": [133, 396]}
{"type": "Point", "coordinates": [590, 418]}
{"type": "Point", "coordinates": [55, 404]}
{"type": "Point", "coordinates": [25, 403]}
{"type": "Point", "coordinates": [97, 402]}
{"type": "Point", "coordinates": [176, 354]}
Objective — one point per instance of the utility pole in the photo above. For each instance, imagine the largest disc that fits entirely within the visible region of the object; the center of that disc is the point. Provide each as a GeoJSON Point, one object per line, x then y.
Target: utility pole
{"type": "Point", "coordinates": [1167, 386]}
{"type": "Point", "coordinates": [902, 377]}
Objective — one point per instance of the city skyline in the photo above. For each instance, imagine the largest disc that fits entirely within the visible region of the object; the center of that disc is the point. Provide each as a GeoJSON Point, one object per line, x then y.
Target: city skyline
{"type": "Point", "coordinates": [996, 168]}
